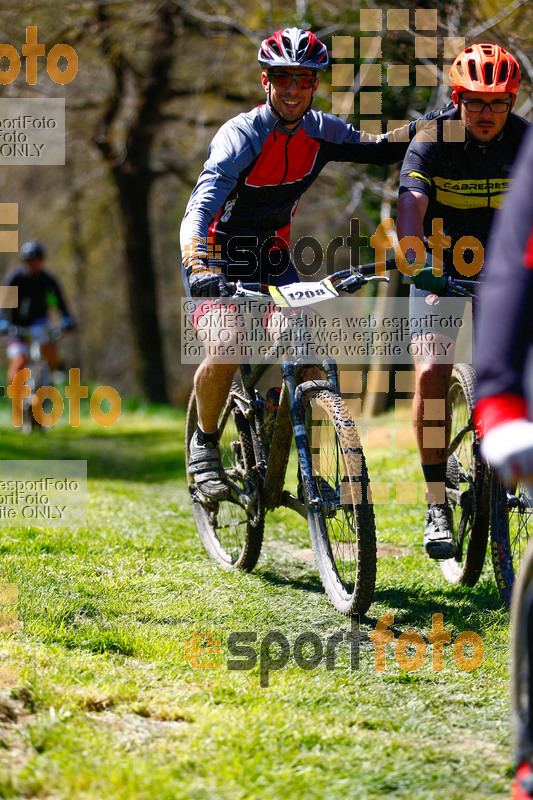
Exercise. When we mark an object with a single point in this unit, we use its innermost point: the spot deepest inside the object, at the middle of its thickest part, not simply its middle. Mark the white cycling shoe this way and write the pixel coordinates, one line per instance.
(438, 535)
(206, 466)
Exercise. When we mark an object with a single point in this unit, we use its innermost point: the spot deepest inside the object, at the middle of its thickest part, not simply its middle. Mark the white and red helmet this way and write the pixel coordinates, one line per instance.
(293, 47)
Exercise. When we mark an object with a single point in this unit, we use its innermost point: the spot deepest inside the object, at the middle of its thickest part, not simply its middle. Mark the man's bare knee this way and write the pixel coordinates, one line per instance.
(15, 365)
(222, 333)
(276, 325)
(216, 374)
(432, 380)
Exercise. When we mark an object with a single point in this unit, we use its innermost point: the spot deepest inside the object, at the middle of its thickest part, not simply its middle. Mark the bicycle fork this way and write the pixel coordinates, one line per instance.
(297, 414)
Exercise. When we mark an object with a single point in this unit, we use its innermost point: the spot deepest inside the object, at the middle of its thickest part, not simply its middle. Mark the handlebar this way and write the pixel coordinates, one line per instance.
(461, 288)
(349, 280)
(370, 269)
(352, 279)
(454, 286)
(54, 332)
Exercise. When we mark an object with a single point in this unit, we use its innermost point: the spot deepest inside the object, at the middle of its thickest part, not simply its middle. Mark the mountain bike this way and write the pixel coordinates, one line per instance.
(480, 502)
(334, 493)
(35, 336)
(467, 476)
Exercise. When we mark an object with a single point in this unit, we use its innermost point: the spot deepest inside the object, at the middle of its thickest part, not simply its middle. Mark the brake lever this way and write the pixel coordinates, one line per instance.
(240, 291)
(377, 278)
(353, 281)
(360, 280)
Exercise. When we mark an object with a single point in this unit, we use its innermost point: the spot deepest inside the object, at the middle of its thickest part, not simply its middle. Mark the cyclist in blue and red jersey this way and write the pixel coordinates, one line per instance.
(454, 182)
(237, 222)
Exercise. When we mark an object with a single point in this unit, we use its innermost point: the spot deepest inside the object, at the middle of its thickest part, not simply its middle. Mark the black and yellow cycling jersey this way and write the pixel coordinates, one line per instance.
(465, 183)
(37, 292)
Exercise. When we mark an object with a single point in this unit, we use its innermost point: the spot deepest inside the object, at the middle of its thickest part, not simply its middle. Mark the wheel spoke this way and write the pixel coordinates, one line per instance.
(511, 528)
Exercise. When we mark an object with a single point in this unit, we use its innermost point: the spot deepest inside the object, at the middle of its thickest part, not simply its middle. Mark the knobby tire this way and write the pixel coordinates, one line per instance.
(228, 533)
(467, 484)
(343, 537)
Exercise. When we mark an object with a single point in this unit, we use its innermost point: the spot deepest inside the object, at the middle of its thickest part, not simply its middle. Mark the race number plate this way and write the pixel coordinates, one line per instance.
(297, 295)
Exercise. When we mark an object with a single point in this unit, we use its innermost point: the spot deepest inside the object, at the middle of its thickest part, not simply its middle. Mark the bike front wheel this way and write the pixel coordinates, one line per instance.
(343, 531)
(231, 534)
(467, 485)
(511, 526)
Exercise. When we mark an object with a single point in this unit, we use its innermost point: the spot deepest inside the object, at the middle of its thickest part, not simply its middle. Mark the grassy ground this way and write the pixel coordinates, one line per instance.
(97, 699)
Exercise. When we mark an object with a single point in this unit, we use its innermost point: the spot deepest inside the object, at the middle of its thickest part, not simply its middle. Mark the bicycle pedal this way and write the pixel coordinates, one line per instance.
(209, 503)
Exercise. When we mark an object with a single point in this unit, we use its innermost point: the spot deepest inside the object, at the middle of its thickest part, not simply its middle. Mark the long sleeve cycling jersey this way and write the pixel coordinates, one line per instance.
(254, 176)
(504, 332)
(464, 182)
(37, 292)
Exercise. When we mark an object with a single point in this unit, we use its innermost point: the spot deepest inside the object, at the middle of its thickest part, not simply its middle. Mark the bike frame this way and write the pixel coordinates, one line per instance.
(272, 462)
(37, 365)
(289, 421)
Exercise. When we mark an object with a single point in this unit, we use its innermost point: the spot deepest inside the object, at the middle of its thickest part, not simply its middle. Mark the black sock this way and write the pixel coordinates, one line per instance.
(435, 473)
(205, 438)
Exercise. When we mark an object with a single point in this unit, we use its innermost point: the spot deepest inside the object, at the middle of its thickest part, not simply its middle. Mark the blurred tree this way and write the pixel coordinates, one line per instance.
(128, 159)
(129, 123)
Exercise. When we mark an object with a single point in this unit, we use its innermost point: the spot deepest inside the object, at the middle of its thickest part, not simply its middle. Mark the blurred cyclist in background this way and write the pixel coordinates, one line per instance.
(38, 292)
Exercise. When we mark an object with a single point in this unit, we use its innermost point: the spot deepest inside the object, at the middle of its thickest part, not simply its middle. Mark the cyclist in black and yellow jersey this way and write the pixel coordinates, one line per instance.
(452, 180)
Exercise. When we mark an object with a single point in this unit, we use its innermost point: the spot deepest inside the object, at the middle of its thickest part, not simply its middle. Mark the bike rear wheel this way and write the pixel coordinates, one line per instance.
(511, 526)
(230, 534)
(343, 533)
(467, 486)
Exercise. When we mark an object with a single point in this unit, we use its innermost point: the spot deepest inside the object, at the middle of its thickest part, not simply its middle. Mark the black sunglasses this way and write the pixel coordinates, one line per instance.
(478, 106)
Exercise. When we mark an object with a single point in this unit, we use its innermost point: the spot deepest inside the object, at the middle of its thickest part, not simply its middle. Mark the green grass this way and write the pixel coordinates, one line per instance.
(97, 699)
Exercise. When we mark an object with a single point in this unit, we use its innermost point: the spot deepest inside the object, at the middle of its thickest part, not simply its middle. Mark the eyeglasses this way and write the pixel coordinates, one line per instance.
(284, 79)
(478, 106)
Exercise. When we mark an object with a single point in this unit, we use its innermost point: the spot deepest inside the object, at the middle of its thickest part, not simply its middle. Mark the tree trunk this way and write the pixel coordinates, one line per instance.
(134, 190)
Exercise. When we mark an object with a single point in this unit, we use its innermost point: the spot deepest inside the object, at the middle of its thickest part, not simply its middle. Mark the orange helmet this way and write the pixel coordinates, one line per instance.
(485, 68)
